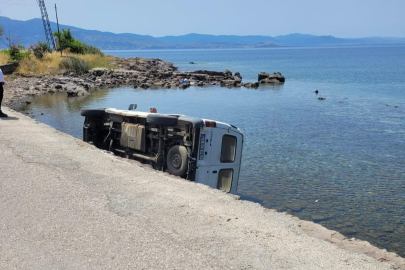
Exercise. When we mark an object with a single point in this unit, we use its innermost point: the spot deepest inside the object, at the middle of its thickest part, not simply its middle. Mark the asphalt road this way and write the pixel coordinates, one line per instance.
(67, 205)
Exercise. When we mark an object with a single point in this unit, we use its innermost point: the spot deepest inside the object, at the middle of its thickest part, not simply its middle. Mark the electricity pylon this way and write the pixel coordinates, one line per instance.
(47, 25)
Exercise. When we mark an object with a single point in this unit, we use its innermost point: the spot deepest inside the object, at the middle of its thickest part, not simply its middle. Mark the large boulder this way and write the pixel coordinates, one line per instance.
(237, 74)
(227, 73)
(98, 72)
(74, 91)
(274, 78)
(238, 79)
(71, 90)
(144, 85)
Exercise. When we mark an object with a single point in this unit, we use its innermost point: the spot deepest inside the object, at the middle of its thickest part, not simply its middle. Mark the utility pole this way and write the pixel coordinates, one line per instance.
(47, 25)
(57, 22)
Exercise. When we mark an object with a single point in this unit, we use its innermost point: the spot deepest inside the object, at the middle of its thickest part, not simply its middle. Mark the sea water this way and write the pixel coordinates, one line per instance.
(339, 162)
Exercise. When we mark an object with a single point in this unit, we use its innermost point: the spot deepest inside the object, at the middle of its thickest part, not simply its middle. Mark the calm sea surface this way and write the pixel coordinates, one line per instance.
(339, 162)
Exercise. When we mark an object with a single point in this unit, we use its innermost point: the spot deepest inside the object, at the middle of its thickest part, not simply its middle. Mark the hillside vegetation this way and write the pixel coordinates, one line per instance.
(40, 59)
(4, 58)
(53, 63)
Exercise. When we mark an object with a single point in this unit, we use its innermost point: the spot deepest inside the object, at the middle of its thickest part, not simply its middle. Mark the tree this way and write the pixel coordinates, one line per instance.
(67, 41)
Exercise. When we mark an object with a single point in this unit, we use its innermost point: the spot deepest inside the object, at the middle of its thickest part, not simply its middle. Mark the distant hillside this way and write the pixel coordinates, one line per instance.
(31, 31)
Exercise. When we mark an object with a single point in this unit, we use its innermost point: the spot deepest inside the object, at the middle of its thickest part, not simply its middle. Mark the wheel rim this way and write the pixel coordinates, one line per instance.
(176, 161)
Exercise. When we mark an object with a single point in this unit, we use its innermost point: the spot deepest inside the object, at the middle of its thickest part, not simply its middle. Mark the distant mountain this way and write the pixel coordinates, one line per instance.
(32, 31)
(317, 41)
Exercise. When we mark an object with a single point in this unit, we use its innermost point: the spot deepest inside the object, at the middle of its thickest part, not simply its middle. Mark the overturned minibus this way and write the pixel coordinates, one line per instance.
(200, 150)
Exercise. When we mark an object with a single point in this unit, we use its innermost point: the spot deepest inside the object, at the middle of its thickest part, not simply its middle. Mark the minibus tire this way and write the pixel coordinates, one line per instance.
(177, 160)
(93, 112)
(159, 119)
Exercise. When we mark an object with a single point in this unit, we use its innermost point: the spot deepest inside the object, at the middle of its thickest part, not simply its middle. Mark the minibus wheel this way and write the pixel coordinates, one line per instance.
(177, 160)
(93, 112)
(159, 119)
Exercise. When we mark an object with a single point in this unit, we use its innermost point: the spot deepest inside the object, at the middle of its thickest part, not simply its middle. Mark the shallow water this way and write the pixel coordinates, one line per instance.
(339, 162)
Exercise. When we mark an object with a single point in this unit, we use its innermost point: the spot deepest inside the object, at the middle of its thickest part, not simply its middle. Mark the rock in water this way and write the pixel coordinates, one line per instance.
(238, 79)
(227, 73)
(72, 90)
(274, 78)
(144, 86)
(251, 85)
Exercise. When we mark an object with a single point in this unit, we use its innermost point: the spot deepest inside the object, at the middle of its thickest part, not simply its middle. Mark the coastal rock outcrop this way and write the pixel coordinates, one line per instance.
(274, 78)
(134, 72)
(143, 64)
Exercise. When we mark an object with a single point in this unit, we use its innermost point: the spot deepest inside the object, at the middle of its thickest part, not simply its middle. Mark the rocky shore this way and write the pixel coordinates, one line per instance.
(134, 72)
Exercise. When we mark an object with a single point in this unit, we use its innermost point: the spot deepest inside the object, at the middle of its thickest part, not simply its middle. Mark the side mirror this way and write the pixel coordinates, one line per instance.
(132, 107)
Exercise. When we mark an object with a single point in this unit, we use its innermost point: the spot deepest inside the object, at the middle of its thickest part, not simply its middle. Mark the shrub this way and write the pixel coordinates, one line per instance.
(76, 47)
(76, 65)
(16, 52)
(40, 49)
(92, 50)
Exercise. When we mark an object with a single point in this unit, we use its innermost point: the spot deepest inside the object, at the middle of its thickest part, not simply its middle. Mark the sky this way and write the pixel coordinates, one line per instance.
(343, 18)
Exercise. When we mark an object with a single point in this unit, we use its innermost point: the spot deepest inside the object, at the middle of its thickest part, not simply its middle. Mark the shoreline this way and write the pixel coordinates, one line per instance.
(136, 72)
(255, 237)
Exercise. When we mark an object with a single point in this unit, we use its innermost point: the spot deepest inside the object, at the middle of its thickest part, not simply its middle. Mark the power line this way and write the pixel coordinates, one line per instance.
(78, 24)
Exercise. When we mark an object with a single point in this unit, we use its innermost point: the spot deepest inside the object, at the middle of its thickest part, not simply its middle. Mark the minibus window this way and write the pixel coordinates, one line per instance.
(228, 149)
(225, 180)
